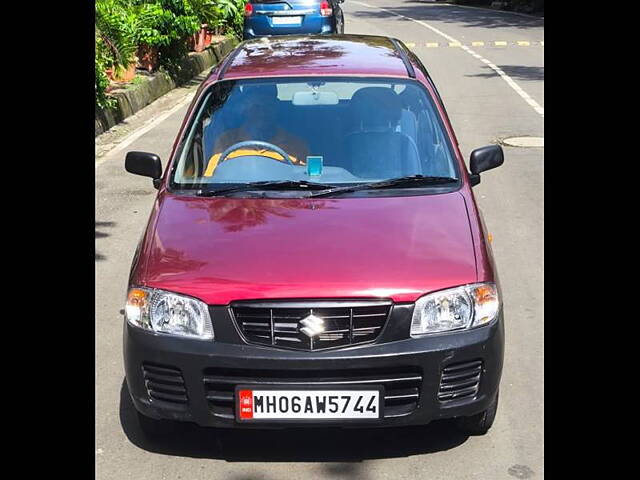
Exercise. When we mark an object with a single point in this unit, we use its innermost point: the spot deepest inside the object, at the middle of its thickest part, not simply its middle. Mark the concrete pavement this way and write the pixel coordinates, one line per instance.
(483, 108)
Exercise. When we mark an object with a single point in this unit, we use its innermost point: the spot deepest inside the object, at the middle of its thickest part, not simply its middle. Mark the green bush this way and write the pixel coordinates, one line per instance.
(123, 25)
(166, 24)
(115, 26)
(230, 16)
(115, 43)
(161, 22)
(206, 11)
(102, 82)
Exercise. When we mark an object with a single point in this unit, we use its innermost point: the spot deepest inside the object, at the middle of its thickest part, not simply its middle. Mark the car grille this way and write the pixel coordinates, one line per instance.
(282, 325)
(401, 385)
(164, 383)
(460, 380)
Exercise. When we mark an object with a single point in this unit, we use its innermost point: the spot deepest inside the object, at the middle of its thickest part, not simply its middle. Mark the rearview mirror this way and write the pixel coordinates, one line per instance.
(306, 99)
(145, 164)
(484, 158)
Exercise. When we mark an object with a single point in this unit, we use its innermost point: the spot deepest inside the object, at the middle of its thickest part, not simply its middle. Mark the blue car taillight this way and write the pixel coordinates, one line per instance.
(325, 9)
(248, 10)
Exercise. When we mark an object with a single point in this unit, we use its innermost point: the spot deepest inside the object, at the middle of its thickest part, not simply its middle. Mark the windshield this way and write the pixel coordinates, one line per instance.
(334, 132)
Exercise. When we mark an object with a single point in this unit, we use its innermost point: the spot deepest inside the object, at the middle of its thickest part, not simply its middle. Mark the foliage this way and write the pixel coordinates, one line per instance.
(230, 15)
(162, 22)
(115, 45)
(102, 82)
(115, 33)
(206, 11)
(123, 25)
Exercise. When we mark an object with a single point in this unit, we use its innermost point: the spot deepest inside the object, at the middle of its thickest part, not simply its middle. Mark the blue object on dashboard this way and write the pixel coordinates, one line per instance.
(314, 165)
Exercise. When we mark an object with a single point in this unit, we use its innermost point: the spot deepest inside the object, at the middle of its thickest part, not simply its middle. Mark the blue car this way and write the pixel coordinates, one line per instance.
(279, 17)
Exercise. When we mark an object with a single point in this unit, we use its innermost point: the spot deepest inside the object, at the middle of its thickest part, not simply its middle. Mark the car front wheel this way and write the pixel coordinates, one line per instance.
(480, 423)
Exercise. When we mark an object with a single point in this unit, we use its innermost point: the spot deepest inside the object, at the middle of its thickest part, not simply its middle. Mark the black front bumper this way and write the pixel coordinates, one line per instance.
(209, 371)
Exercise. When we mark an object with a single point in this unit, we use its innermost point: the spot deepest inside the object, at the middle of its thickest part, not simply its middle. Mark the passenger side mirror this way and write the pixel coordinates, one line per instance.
(484, 158)
(145, 164)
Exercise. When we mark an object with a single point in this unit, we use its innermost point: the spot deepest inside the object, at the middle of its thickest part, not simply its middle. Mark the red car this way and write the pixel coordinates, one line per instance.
(315, 255)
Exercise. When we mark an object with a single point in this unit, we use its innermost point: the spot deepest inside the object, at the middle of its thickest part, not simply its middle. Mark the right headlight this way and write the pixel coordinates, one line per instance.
(455, 309)
(167, 312)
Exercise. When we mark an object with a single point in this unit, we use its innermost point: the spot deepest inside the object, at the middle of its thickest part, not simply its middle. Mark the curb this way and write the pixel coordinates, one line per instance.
(139, 96)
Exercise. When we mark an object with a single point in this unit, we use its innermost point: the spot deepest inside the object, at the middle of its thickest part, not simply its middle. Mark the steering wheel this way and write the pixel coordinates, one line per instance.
(255, 143)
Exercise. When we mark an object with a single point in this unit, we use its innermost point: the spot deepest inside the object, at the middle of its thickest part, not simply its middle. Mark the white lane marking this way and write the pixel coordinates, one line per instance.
(141, 131)
(525, 96)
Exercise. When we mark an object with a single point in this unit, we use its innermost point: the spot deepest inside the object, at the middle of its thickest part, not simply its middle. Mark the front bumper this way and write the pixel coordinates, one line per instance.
(202, 366)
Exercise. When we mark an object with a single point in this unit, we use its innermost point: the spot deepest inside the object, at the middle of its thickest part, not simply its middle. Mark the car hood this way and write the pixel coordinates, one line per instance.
(224, 249)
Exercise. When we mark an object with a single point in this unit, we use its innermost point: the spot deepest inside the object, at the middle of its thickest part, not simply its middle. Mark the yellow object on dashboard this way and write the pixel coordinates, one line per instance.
(242, 152)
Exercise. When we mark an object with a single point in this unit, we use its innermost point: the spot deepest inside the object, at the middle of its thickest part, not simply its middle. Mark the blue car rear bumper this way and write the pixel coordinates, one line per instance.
(262, 25)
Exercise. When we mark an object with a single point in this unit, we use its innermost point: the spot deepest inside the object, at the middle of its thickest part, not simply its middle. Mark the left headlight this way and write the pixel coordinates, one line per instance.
(455, 309)
(166, 312)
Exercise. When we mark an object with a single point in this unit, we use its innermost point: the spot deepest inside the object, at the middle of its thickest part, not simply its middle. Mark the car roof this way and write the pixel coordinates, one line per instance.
(327, 55)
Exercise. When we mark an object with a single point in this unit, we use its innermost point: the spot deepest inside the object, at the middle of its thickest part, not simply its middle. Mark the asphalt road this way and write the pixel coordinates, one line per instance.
(485, 104)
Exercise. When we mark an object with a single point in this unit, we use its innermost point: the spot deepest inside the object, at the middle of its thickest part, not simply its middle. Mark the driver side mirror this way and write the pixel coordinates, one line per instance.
(145, 164)
(484, 158)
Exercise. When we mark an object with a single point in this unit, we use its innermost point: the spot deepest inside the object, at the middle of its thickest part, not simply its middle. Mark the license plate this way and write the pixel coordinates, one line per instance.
(286, 20)
(300, 405)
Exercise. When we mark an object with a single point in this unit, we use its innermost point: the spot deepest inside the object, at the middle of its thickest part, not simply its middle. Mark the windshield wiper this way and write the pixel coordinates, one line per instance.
(269, 185)
(409, 181)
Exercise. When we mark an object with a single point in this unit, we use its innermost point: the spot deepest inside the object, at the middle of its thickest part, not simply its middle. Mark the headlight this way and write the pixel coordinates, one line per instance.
(455, 309)
(166, 312)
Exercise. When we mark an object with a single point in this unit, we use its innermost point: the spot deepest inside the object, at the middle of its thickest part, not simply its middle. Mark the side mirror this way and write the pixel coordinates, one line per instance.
(484, 158)
(145, 164)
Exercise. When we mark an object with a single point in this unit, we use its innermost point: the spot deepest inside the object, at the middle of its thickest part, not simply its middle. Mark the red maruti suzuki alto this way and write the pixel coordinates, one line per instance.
(315, 255)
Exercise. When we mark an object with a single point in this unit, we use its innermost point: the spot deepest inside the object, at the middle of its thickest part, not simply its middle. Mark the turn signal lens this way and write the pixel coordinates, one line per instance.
(137, 308)
(486, 303)
(248, 10)
(325, 9)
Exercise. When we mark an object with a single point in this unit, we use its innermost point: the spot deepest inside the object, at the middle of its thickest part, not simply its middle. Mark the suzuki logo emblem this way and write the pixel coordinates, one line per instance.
(312, 326)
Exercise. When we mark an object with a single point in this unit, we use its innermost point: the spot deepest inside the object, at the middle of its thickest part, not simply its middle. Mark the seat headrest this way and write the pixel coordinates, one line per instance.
(376, 107)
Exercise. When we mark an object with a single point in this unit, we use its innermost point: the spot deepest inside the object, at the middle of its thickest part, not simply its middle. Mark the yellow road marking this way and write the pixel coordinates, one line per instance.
(542, 44)
(477, 44)
(500, 44)
(410, 44)
(455, 44)
(432, 44)
(524, 44)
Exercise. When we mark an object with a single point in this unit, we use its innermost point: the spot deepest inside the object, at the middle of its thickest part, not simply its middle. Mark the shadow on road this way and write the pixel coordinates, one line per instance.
(464, 17)
(101, 234)
(293, 445)
(517, 72)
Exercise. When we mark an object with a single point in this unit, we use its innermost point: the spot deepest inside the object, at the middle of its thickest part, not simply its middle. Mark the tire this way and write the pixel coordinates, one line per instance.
(480, 423)
(156, 428)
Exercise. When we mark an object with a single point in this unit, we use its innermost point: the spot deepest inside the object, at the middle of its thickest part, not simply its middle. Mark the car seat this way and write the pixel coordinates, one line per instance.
(374, 148)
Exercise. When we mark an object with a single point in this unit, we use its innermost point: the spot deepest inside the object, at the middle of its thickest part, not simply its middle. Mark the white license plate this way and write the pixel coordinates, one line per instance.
(286, 20)
(301, 405)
